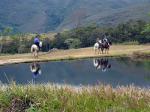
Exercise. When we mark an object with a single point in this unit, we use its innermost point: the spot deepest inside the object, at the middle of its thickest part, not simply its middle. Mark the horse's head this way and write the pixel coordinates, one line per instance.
(110, 43)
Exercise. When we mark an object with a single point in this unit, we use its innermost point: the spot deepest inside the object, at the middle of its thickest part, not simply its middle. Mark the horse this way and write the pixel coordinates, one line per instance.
(35, 69)
(102, 64)
(97, 63)
(102, 46)
(35, 49)
(96, 48)
(105, 46)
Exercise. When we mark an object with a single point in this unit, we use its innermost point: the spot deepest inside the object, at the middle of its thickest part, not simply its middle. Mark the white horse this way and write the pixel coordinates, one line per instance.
(96, 64)
(35, 49)
(96, 48)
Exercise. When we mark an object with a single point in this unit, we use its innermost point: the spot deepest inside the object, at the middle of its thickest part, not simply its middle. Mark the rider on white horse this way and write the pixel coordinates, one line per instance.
(35, 48)
(37, 41)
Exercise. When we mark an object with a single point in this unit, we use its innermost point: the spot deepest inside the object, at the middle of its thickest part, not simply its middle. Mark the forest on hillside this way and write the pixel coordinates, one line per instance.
(134, 32)
(55, 15)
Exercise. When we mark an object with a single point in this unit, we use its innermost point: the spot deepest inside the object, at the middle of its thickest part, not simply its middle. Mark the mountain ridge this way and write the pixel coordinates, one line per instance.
(55, 15)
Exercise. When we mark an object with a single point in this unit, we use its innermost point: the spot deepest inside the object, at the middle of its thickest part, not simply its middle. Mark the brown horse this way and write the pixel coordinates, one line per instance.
(105, 46)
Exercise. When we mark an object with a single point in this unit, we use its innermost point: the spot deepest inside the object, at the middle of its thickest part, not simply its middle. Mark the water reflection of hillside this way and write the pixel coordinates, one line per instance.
(102, 63)
(138, 63)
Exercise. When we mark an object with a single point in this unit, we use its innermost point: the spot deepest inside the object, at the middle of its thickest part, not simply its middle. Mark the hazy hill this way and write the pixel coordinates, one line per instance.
(50, 15)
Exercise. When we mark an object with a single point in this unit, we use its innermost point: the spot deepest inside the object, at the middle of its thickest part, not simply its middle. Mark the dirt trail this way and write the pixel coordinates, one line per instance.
(116, 50)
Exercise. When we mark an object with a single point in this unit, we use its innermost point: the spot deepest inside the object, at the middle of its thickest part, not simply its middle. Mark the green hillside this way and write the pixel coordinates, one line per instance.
(57, 15)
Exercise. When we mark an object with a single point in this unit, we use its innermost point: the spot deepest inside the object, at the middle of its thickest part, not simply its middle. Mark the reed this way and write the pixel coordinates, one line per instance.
(65, 98)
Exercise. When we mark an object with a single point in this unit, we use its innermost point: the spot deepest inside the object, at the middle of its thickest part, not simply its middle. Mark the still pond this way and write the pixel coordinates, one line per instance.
(114, 71)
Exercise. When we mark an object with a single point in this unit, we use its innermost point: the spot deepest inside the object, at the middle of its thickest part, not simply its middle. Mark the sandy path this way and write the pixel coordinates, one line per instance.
(116, 50)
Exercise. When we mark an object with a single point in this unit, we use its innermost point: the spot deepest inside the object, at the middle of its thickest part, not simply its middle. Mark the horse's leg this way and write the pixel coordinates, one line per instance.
(34, 54)
(99, 51)
(95, 51)
(102, 50)
(108, 51)
(37, 54)
(105, 50)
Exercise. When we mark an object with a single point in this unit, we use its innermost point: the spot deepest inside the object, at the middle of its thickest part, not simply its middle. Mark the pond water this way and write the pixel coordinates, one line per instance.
(121, 71)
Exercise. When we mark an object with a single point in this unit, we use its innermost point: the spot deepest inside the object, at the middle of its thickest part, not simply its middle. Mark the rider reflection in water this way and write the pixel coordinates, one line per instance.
(35, 69)
(102, 64)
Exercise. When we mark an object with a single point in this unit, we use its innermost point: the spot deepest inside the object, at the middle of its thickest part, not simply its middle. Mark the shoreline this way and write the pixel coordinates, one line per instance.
(117, 51)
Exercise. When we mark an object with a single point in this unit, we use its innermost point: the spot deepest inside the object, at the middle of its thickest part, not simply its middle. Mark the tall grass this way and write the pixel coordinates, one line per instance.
(52, 98)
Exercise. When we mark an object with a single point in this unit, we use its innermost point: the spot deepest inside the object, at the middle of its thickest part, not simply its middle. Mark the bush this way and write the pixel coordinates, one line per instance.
(73, 43)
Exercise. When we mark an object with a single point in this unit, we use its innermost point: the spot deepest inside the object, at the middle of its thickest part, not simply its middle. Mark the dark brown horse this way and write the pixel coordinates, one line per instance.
(105, 46)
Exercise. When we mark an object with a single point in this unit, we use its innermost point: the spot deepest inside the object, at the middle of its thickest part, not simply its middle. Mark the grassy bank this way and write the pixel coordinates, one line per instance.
(115, 51)
(48, 98)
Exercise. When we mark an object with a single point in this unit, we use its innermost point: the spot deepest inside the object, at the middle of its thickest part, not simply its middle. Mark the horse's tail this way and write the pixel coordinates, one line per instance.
(32, 49)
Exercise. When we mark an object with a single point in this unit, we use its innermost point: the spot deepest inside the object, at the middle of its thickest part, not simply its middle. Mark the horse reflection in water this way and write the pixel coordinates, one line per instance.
(102, 64)
(35, 69)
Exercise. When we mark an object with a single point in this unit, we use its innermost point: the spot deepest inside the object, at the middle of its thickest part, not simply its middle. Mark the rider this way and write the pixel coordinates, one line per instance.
(105, 39)
(37, 41)
(99, 40)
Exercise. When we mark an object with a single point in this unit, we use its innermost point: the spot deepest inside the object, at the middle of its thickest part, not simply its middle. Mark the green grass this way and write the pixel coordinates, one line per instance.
(51, 98)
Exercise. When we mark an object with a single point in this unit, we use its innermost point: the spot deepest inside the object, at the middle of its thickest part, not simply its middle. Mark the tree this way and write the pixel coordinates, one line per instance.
(3, 34)
(7, 31)
(73, 43)
(146, 29)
